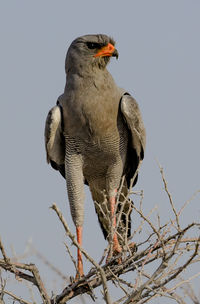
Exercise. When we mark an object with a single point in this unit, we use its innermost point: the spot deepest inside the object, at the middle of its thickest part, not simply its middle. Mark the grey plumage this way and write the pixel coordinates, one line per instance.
(95, 134)
(54, 140)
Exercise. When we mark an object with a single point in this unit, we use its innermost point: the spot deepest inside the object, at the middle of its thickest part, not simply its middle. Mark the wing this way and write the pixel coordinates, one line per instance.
(54, 140)
(133, 119)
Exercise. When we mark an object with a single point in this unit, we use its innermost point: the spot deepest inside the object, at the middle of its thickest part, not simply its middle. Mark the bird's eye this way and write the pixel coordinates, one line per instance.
(92, 45)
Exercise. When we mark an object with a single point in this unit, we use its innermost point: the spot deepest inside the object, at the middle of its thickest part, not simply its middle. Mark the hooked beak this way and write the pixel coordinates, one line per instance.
(115, 54)
(108, 50)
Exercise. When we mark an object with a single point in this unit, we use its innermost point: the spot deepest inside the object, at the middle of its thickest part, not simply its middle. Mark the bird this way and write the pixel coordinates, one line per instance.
(95, 135)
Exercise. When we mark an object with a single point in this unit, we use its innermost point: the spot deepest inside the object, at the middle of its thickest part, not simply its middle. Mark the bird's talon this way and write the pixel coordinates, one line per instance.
(78, 277)
(132, 246)
(109, 256)
(72, 279)
(116, 251)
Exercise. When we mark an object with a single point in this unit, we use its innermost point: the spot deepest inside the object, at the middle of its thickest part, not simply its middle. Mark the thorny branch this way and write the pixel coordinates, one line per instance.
(169, 253)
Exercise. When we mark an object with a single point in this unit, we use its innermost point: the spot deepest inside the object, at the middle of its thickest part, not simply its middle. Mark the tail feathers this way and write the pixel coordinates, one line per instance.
(124, 227)
(105, 232)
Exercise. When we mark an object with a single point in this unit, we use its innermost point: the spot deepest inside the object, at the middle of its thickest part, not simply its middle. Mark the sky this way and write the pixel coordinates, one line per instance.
(159, 46)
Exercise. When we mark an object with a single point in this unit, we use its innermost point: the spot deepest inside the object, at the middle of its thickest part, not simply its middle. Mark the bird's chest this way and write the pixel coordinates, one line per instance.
(100, 116)
(102, 154)
(91, 108)
(98, 156)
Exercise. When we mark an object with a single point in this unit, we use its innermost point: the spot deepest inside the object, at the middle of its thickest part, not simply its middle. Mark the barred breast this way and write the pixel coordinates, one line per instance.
(103, 159)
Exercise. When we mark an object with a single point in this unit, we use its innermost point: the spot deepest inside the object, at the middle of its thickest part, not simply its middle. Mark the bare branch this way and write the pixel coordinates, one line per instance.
(35, 278)
(161, 257)
(16, 298)
(98, 267)
(169, 196)
(6, 259)
(49, 264)
(71, 257)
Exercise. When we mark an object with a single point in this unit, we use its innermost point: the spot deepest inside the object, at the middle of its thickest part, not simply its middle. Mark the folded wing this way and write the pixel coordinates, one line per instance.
(54, 140)
(133, 119)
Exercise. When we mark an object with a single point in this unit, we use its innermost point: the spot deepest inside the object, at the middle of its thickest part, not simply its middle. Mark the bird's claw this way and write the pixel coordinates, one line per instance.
(78, 276)
(132, 246)
(116, 251)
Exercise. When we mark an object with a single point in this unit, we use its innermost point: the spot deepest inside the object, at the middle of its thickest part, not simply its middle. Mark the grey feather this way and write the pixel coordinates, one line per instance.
(133, 118)
(54, 140)
(96, 133)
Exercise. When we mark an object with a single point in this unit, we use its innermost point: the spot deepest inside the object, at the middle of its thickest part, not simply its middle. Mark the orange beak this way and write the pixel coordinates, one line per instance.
(108, 50)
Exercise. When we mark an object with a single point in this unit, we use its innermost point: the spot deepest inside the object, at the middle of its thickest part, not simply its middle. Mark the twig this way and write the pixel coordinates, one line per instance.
(160, 246)
(35, 279)
(104, 255)
(72, 237)
(184, 282)
(6, 259)
(189, 291)
(143, 221)
(169, 196)
(118, 281)
(19, 299)
(49, 264)
(188, 201)
(71, 257)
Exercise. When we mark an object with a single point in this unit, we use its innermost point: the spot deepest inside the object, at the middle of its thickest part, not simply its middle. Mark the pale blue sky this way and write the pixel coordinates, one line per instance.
(159, 48)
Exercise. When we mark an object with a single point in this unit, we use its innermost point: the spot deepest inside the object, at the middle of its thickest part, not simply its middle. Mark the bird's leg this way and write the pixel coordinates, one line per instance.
(75, 188)
(79, 254)
(116, 246)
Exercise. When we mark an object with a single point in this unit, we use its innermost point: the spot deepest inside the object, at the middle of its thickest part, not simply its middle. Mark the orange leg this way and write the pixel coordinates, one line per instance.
(79, 255)
(116, 246)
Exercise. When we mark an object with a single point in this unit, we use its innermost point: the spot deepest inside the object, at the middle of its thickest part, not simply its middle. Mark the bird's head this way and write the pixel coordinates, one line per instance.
(90, 50)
